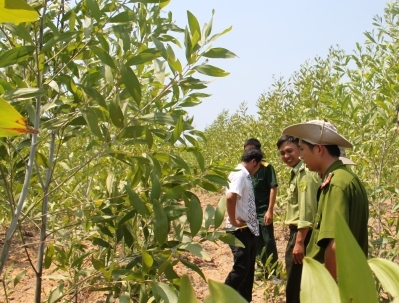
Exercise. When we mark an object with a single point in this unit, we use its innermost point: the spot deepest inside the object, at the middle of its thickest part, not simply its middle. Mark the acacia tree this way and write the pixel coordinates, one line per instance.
(101, 82)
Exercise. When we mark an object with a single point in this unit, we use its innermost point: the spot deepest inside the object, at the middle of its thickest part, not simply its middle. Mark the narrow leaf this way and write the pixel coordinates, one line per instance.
(220, 211)
(16, 55)
(220, 53)
(132, 83)
(195, 215)
(211, 70)
(387, 273)
(222, 293)
(187, 294)
(103, 56)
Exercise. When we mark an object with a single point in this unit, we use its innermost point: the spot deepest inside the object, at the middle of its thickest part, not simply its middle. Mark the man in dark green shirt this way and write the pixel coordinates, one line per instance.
(265, 185)
(300, 213)
(340, 191)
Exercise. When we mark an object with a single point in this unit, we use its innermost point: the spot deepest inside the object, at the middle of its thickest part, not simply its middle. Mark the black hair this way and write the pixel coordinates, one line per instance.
(252, 153)
(254, 142)
(333, 150)
(286, 138)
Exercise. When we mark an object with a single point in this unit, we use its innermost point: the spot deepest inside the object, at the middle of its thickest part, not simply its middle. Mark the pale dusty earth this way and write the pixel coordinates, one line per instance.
(216, 269)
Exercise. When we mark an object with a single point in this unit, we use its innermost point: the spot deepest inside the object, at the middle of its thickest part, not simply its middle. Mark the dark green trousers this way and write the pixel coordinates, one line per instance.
(266, 241)
(294, 271)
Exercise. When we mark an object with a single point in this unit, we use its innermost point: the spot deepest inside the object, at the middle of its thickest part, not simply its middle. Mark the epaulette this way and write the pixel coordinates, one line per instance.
(302, 167)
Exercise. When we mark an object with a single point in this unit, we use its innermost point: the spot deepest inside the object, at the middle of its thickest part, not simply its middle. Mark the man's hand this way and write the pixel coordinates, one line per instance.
(268, 217)
(298, 253)
(238, 223)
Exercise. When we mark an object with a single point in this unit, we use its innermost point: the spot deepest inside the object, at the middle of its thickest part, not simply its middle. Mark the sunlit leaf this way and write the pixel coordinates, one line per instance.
(11, 122)
(210, 70)
(16, 55)
(186, 294)
(314, 273)
(132, 83)
(387, 273)
(17, 11)
(355, 278)
(222, 293)
(220, 211)
(219, 52)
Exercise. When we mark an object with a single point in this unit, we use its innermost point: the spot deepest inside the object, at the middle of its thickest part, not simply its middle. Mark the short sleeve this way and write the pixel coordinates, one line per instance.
(335, 201)
(307, 187)
(236, 183)
(271, 176)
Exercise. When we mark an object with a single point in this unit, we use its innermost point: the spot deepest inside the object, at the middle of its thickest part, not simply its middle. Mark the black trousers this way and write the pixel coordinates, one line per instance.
(241, 276)
(294, 271)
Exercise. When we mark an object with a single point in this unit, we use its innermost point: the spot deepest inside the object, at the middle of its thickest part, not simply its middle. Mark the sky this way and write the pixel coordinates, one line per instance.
(271, 39)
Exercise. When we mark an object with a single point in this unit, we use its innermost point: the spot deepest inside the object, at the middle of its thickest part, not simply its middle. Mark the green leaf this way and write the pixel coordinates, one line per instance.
(17, 11)
(42, 160)
(24, 93)
(230, 240)
(161, 223)
(136, 202)
(219, 52)
(56, 293)
(159, 45)
(193, 266)
(222, 293)
(355, 279)
(132, 83)
(116, 113)
(16, 55)
(48, 255)
(186, 294)
(193, 24)
(220, 211)
(217, 179)
(101, 242)
(315, 273)
(195, 249)
(124, 298)
(61, 37)
(187, 44)
(103, 56)
(198, 156)
(195, 215)
(210, 70)
(147, 260)
(19, 277)
(92, 121)
(166, 292)
(209, 215)
(145, 56)
(177, 131)
(94, 9)
(387, 273)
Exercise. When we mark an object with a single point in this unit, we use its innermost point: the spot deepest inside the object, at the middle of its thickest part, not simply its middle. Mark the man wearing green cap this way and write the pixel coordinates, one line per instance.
(340, 191)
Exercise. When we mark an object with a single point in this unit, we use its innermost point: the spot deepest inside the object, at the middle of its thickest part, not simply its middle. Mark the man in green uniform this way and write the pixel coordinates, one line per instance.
(301, 211)
(340, 191)
(265, 185)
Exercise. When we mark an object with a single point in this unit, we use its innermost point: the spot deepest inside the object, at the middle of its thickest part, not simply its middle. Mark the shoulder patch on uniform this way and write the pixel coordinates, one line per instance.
(302, 185)
(327, 180)
(265, 164)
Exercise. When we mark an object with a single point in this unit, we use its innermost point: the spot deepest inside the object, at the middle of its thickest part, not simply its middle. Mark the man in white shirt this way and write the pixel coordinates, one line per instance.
(242, 222)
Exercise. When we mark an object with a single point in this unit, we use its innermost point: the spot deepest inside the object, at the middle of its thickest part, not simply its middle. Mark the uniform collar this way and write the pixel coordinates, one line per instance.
(333, 167)
(298, 166)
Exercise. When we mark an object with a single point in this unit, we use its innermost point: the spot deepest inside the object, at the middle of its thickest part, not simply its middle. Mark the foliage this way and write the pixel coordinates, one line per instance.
(107, 181)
